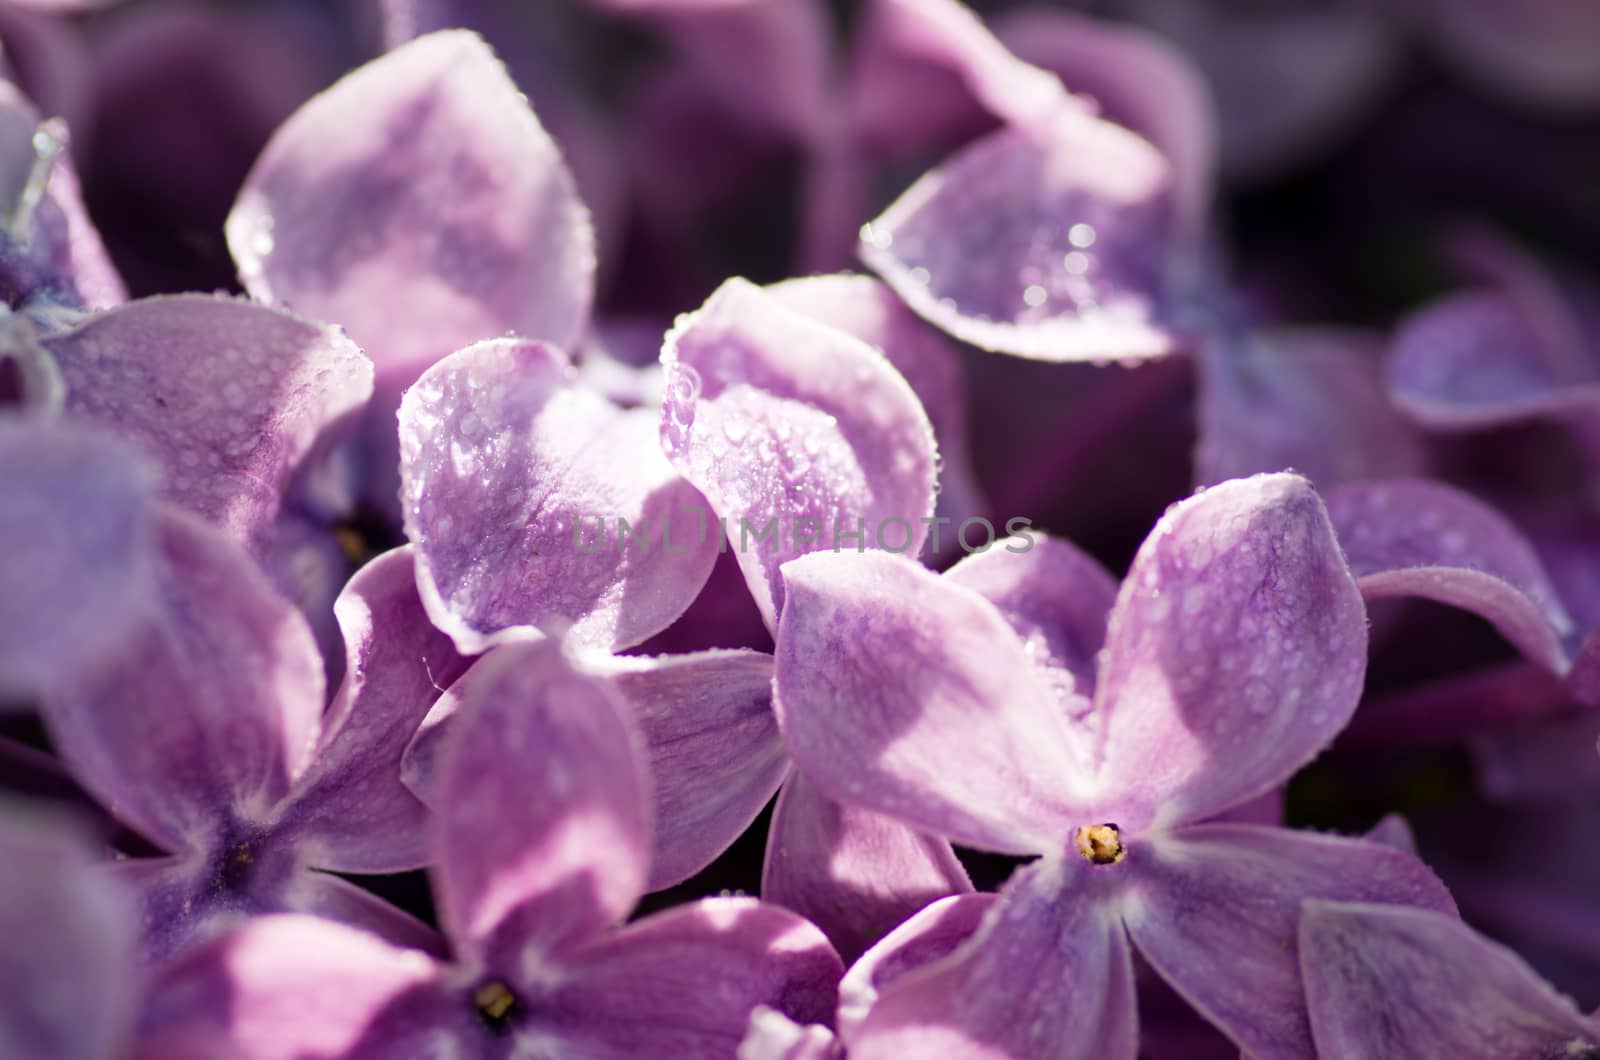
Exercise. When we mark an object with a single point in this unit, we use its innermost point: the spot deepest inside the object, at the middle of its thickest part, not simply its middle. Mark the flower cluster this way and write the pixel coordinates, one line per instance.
(540, 600)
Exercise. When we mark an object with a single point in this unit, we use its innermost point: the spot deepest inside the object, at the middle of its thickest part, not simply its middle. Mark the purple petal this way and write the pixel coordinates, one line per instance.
(901, 692)
(748, 381)
(1050, 243)
(1054, 596)
(514, 479)
(1139, 80)
(685, 983)
(209, 711)
(1485, 703)
(1237, 889)
(929, 936)
(924, 69)
(1047, 975)
(77, 543)
(69, 937)
(1308, 400)
(854, 873)
(1553, 760)
(1422, 538)
(1495, 356)
(713, 748)
(350, 812)
(872, 313)
(542, 828)
(1235, 653)
(419, 203)
(279, 988)
(231, 397)
(1388, 981)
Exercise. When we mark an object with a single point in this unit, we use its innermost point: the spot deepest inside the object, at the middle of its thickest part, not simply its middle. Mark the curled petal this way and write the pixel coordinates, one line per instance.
(774, 1036)
(1382, 980)
(801, 436)
(232, 397)
(713, 746)
(1311, 401)
(77, 550)
(542, 828)
(686, 982)
(419, 203)
(280, 988)
(872, 313)
(1047, 976)
(1496, 356)
(1235, 653)
(854, 873)
(1421, 538)
(924, 70)
(1238, 889)
(930, 935)
(516, 483)
(69, 932)
(1054, 596)
(903, 693)
(208, 712)
(350, 812)
(1051, 243)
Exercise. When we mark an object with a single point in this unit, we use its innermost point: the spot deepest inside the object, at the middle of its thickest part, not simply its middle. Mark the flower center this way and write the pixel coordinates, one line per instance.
(1100, 844)
(495, 1003)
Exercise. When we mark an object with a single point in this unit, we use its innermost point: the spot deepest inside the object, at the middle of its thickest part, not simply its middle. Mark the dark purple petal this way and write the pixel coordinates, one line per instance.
(419, 203)
(797, 429)
(279, 988)
(1236, 890)
(209, 711)
(349, 811)
(901, 692)
(765, 60)
(67, 968)
(1553, 760)
(542, 827)
(1423, 538)
(231, 397)
(77, 549)
(1139, 80)
(1389, 981)
(1235, 653)
(1050, 243)
(1484, 703)
(854, 873)
(1312, 401)
(872, 313)
(685, 983)
(1055, 597)
(713, 748)
(1047, 976)
(514, 479)
(1495, 356)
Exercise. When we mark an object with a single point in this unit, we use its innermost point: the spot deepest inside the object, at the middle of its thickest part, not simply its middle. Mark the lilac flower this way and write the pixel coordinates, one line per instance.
(972, 706)
(206, 733)
(539, 848)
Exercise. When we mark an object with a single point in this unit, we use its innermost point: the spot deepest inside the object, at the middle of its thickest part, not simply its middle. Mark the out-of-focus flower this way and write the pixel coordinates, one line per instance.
(206, 734)
(540, 846)
(980, 706)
